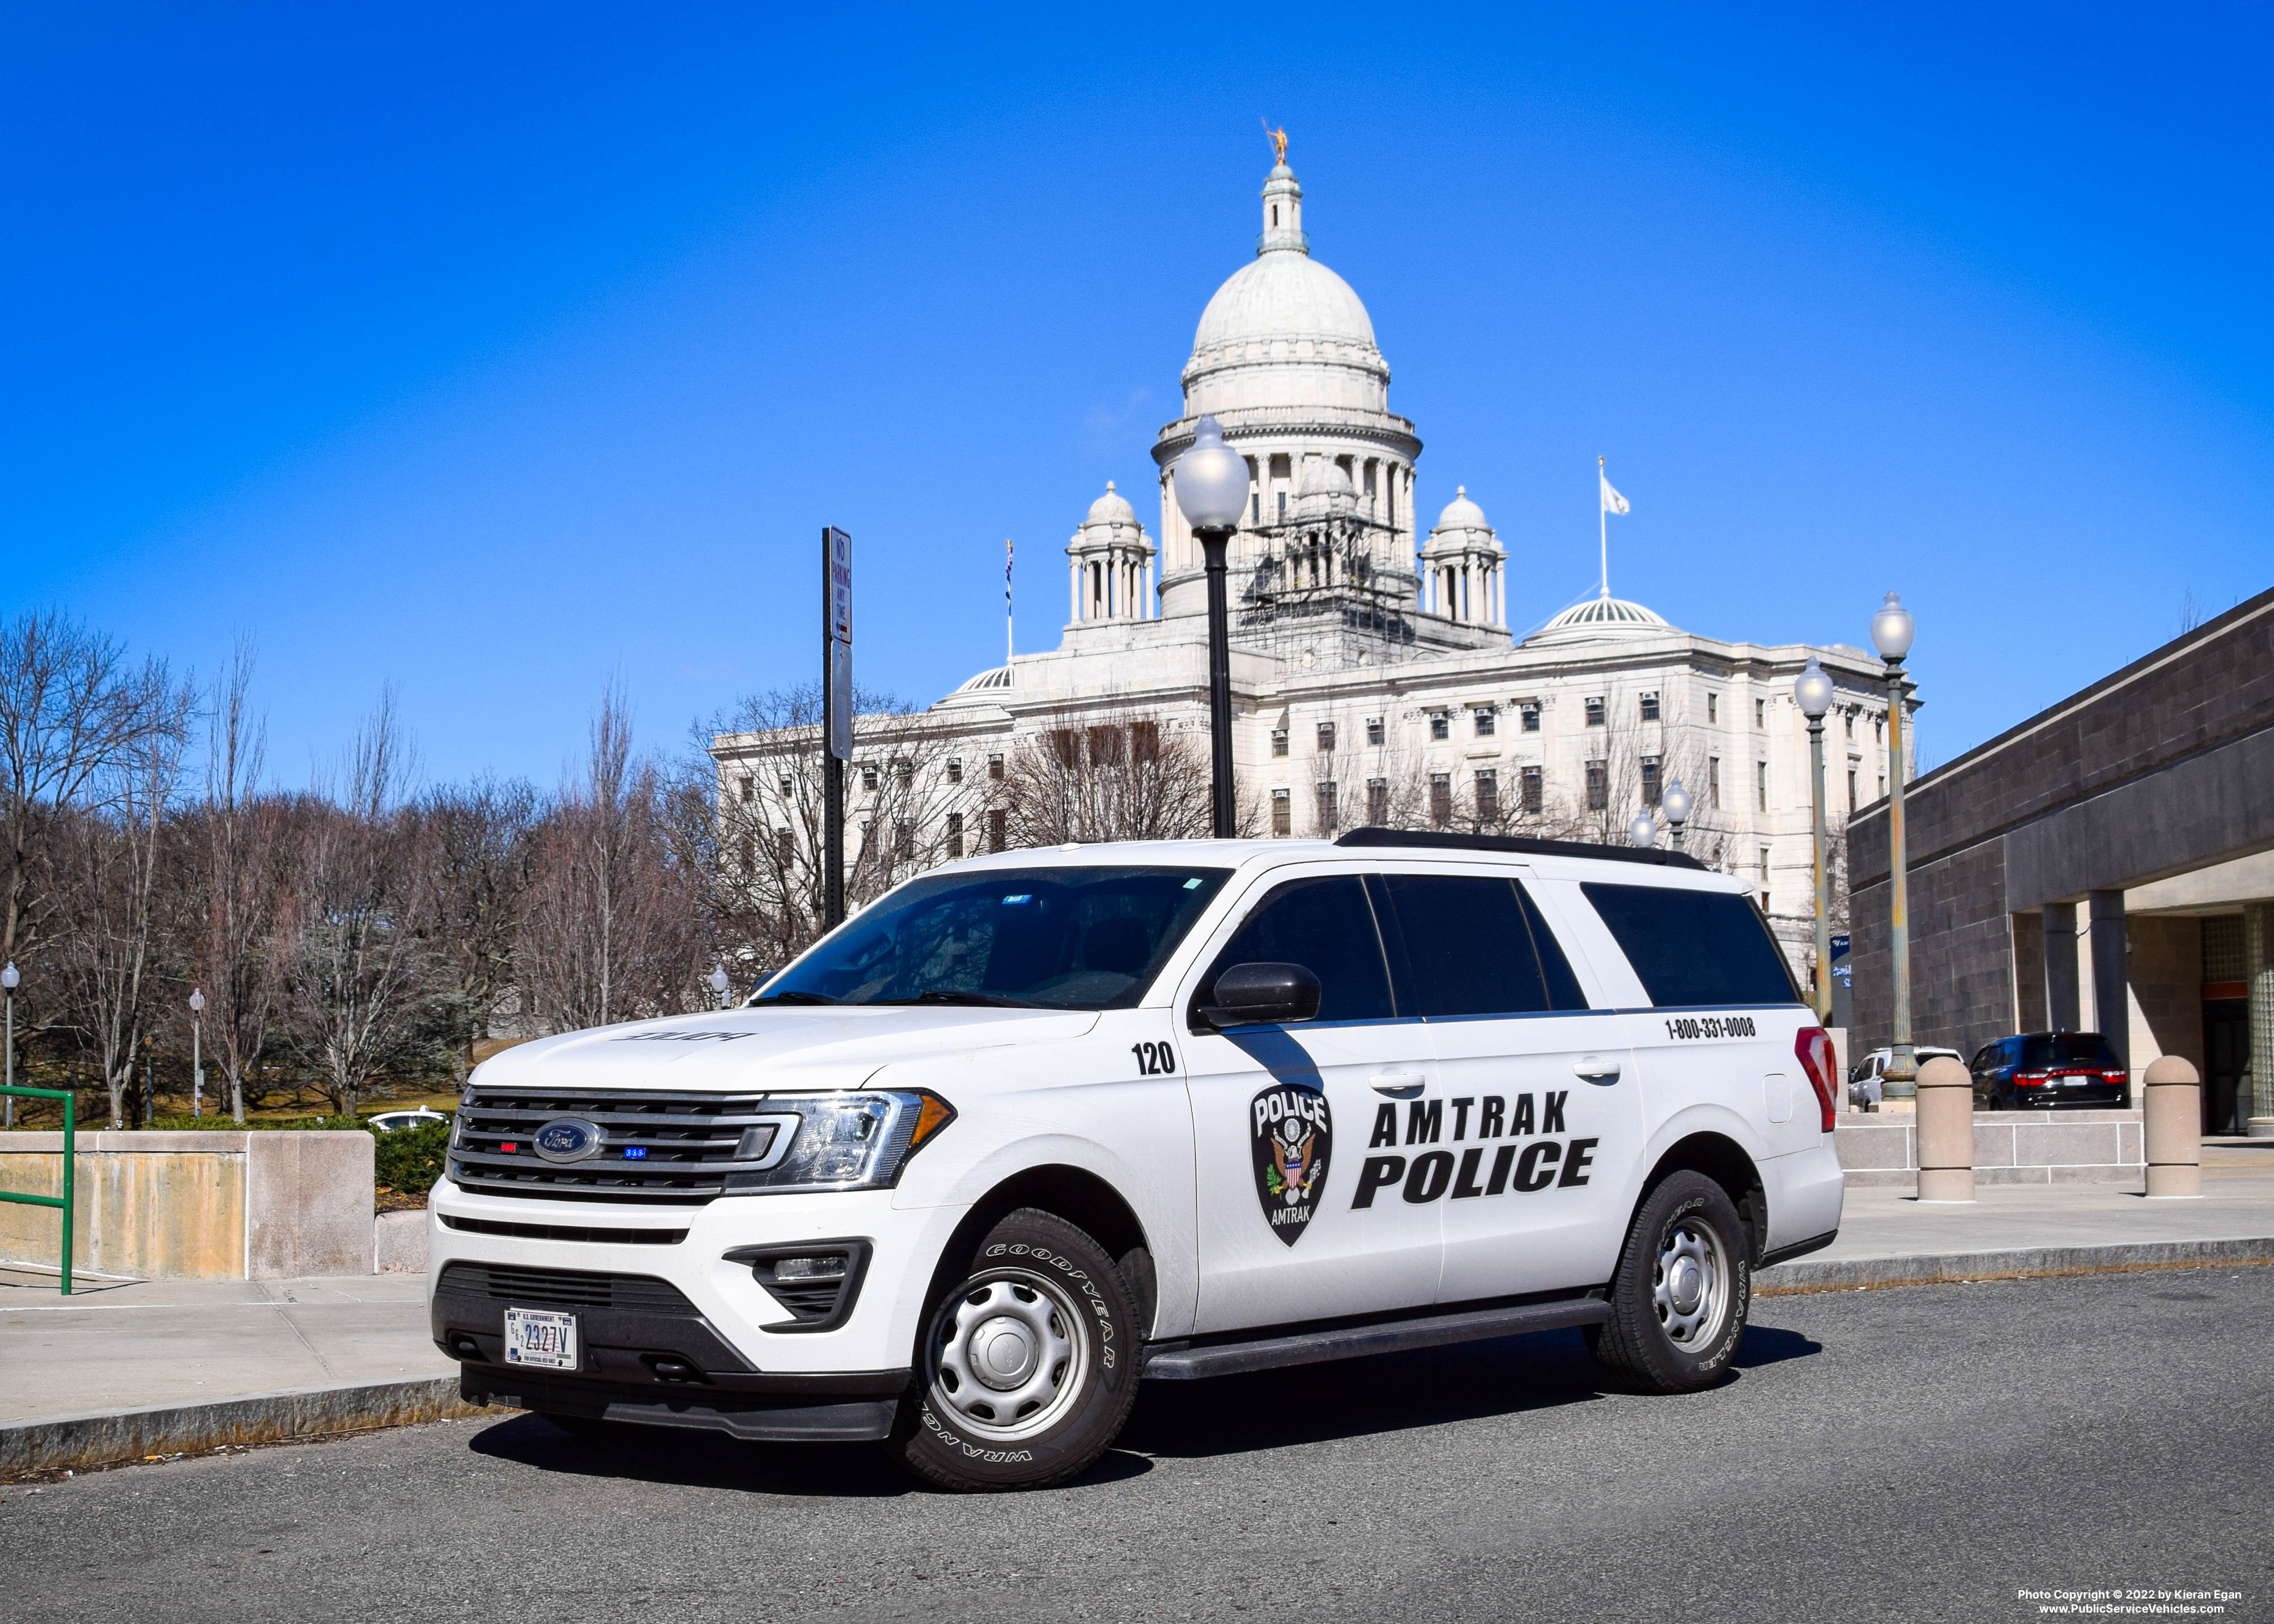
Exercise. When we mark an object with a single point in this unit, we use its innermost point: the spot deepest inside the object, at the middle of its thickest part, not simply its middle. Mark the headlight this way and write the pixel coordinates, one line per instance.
(841, 1141)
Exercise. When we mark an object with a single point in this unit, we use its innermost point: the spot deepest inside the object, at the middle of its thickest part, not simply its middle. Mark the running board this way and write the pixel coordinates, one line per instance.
(1181, 1362)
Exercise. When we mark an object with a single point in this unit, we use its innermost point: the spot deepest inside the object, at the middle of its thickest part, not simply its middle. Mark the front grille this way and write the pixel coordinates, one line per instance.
(691, 1144)
(543, 1288)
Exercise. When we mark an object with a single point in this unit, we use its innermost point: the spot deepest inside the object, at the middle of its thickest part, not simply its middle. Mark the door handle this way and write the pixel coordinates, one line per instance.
(1397, 1085)
(1596, 1069)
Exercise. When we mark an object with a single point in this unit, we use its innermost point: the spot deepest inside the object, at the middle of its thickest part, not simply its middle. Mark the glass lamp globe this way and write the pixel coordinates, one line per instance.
(1211, 481)
(197, 1001)
(1811, 690)
(719, 979)
(1644, 830)
(1675, 804)
(1892, 629)
(11, 976)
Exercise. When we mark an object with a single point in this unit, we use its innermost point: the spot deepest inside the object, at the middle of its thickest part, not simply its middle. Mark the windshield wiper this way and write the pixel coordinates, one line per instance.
(796, 997)
(985, 1000)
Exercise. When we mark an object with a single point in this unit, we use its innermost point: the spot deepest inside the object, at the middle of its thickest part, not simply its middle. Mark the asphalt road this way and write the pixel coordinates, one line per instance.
(1916, 1454)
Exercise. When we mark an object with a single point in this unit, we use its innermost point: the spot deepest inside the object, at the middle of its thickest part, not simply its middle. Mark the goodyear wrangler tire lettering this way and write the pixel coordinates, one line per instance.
(1682, 1291)
(1019, 1379)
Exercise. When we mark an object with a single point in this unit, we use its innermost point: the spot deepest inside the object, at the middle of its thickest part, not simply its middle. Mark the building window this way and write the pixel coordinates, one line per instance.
(1487, 796)
(1440, 797)
(904, 840)
(1650, 780)
(1713, 707)
(869, 775)
(1529, 713)
(995, 773)
(1760, 713)
(1765, 879)
(1599, 787)
(1326, 738)
(748, 849)
(955, 770)
(1377, 801)
(1282, 507)
(785, 848)
(1650, 707)
(1535, 790)
(747, 788)
(784, 784)
(1848, 719)
(955, 834)
(1440, 723)
(1278, 741)
(1328, 805)
(1483, 716)
(996, 832)
(1282, 813)
(1595, 711)
(1851, 789)
(1373, 730)
(1761, 783)
(1714, 782)
(2225, 949)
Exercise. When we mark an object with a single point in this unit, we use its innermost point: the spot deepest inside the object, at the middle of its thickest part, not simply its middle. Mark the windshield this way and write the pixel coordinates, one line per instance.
(1044, 938)
(2067, 1048)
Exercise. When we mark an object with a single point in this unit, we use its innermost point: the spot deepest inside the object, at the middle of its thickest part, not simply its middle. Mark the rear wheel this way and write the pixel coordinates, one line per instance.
(1028, 1365)
(1683, 1289)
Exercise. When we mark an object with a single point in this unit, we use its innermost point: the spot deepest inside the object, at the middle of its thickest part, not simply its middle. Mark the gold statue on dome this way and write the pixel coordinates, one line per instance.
(1278, 139)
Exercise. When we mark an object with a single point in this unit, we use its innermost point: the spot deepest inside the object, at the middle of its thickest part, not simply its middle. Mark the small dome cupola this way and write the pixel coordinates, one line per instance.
(1110, 563)
(1283, 213)
(1464, 573)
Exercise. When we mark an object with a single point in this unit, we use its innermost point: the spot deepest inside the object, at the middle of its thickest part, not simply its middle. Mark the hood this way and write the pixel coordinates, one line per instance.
(777, 1048)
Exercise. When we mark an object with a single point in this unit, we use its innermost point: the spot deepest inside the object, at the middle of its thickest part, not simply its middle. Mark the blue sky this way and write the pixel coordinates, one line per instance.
(493, 351)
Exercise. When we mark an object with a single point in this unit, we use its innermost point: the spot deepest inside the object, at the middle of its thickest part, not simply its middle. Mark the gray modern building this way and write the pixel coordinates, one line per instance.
(2107, 864)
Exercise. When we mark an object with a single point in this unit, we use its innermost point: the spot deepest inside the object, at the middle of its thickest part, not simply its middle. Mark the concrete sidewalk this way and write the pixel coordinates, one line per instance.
(125, 1369)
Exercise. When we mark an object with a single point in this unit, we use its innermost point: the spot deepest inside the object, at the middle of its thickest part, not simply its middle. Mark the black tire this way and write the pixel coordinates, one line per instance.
(1041, 1310)
(1659, 1338)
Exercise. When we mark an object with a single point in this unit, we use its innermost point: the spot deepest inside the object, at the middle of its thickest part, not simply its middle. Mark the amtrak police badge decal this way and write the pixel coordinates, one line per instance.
(1291, 1134)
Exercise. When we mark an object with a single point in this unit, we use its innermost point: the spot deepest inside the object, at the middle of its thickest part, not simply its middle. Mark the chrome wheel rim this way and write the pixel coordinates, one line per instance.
(1689, 1285)
(1009, 1353)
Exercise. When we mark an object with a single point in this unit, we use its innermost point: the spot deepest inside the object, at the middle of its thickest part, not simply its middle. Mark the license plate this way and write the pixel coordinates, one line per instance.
(2077, 1082)
(534, 1336)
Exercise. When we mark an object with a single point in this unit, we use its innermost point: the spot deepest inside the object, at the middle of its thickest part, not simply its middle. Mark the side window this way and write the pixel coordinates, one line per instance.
(1695, 947)
(1327, 926)
(1476, 946)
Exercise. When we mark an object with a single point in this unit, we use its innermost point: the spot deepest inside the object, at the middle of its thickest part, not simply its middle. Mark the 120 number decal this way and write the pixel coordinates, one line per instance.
(1155, 1059)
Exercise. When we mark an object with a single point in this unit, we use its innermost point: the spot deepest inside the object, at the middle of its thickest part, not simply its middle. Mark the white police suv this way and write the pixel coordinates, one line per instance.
(1033, 1126)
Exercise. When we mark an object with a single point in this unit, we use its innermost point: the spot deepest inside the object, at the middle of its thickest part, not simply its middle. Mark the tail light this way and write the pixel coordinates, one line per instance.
(2028, 1080)
(1813, 1049)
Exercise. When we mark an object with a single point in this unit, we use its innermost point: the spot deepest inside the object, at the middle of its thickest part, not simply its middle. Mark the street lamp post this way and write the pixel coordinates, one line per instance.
(1811, 691)
(1892, 630)
(1211, 481)
(197, 1052)
(9, 979)
(718, 983)
(1675, 804)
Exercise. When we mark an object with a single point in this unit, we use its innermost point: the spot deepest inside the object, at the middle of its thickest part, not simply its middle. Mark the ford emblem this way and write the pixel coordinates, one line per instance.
(569, 1139)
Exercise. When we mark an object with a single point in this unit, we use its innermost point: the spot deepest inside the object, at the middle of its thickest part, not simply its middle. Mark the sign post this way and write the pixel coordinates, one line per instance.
(836, 714)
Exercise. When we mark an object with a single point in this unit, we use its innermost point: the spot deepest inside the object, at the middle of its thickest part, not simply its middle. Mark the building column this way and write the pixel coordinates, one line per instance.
(2060, 967)
(2111, 979)
(2255, 1100)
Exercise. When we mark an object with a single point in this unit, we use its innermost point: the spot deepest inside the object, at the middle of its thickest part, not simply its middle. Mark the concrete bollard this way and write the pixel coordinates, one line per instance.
(2172, 1098)
(1945, 1131)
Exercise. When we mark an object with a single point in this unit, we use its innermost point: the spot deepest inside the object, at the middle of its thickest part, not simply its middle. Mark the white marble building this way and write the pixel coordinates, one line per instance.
(1374, 670)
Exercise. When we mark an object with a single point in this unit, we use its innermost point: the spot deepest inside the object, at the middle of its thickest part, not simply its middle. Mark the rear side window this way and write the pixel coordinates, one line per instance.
(1692, 947)
(1327, 926)
(1478, 946)
(2067, 1048)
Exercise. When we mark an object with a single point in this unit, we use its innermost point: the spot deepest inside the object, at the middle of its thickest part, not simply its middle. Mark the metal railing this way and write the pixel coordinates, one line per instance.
(71, 1148)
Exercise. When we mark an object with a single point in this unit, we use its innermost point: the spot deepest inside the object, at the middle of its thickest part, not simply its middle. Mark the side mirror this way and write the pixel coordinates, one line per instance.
(1263, 995)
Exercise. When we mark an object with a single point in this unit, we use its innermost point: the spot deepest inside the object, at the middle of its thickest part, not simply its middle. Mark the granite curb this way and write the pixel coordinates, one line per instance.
(2020, 1263)
(80, 1443)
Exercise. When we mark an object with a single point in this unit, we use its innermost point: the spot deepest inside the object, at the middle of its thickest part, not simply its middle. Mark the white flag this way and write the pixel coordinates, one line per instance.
(1613, 502)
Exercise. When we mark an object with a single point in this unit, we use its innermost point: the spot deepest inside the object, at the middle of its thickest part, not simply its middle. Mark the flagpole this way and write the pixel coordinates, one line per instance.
(1603, 523)
(1007, 645)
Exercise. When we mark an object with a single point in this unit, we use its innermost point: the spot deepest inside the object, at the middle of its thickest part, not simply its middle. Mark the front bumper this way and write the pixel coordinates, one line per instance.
(752, 1417)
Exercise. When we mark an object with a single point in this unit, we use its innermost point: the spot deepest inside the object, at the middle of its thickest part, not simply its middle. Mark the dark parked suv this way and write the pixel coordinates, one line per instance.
(2050, 1070)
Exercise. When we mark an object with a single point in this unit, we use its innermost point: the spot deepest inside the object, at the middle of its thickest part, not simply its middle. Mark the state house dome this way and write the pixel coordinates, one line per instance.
(1600, 618)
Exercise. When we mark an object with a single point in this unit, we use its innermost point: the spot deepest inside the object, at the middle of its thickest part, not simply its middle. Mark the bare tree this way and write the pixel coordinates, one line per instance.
(356, 968)
(1092, 776)
(612, 928)
(480, 844)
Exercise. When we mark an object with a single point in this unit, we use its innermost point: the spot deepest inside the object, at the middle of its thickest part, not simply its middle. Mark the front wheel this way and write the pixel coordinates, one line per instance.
(1029, 1365)
(1683, 1289)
